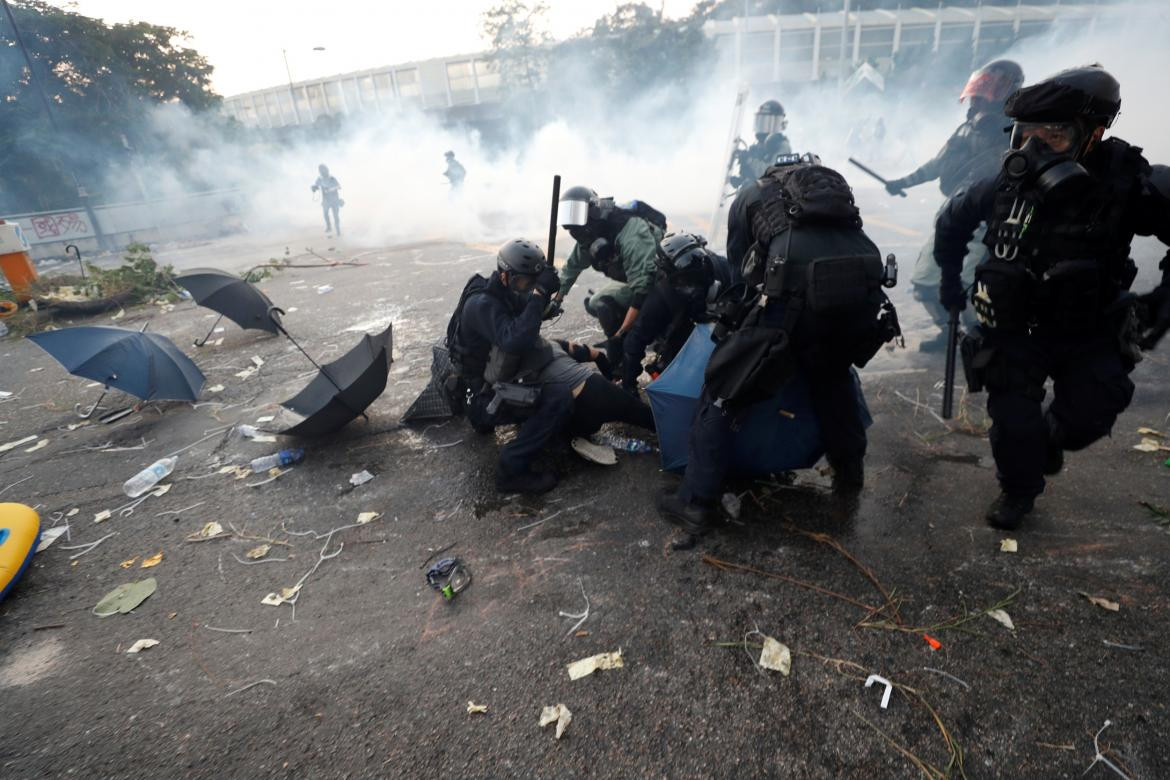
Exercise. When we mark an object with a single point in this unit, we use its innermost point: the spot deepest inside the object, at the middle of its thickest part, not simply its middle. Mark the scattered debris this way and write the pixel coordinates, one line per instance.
(732, 505)
(215, 389)
(1151, 445)
(580, 617)
(1103, 603)
(257, 361)
(325, 288)
(258, 552)
(266, 418)
(947, 675)
(559, 715)
(14, 444)
(367, 517)
(554, 514)
(128, 563)
(38, 446)
(140, 645)
(776, 656)
(476, 709)
(286, 596)
(86, 547)
(152, 561)
(50, 535)
(103, 515)
(1099, 757)
(449, 576)
(1119, 646)
(1002, 617)
(251, 685)
(889, 687)
(594, 453)
(1008, 546)
(212, 530)
(1150, 432)
(125, 597)
(228, 630)
(360, 478)
(587, 666)
(934, 643)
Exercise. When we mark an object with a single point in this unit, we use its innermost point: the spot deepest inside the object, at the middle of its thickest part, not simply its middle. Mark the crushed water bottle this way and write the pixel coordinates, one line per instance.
(149, 477)
(623, 443)
(277, 460)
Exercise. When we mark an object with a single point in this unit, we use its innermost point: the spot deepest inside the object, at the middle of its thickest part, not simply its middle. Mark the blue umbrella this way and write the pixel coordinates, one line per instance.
(778, 434)
(145, 365)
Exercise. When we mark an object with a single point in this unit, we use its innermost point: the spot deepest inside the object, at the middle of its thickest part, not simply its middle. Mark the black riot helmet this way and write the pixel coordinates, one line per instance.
(994, 82)
(770, 118)
(1065, 111)
(577, 205)
(522, 261)
(683, 260)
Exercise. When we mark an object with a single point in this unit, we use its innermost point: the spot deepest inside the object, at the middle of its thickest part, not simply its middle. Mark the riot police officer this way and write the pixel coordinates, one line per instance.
(814, 304)
(972, 153)
(770, 143)
(1052, 298)
(496, 324)
(690, 276)
(620, 242)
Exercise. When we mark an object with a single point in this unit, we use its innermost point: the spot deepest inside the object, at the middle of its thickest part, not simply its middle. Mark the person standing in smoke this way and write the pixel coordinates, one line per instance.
(771, 142)
(620, 242)
(331, 201)
(972, 153)
(1053, 298)
(455, 172)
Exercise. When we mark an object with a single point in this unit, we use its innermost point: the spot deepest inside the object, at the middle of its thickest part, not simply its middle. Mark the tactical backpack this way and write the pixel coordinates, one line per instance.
(811, 258)
(466, 369)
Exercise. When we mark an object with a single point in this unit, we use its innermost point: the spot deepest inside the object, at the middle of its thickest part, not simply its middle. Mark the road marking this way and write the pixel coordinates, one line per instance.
(902, 231)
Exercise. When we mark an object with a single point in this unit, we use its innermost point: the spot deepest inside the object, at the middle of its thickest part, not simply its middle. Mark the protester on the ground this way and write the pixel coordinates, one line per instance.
(331, 201)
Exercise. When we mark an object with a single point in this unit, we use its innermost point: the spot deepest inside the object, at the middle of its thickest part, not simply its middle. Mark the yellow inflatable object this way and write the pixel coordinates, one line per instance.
(20, 533)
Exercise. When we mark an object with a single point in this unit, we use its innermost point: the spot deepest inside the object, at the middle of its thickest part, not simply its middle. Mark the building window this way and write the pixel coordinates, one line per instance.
(407, 83)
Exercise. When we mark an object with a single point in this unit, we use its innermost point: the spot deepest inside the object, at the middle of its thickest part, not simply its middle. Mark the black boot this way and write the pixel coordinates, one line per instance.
(694, 518)
(526, 482)
(848, 475)
(1053, 459)
(1008, 512)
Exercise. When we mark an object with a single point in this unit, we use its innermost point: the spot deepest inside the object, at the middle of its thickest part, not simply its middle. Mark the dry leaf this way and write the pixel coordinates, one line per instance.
(587, 666)
(776, 656)
(474, 709)
(1150, 432)
(368, 517)
(1008, 545)
(1103, 603)
(129, 563)
(1002, 617)
(258, 552)
(208, 531)
(142, 644)
(272, 600)
(152, 561)
(559, 715)
(72, 512)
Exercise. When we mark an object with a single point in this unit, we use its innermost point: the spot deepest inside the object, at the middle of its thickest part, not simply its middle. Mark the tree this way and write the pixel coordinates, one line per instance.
(519, 41)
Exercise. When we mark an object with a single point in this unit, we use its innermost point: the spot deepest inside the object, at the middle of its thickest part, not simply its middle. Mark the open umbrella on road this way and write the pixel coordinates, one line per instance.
(344, 388)
(779, 434)
(232, 297)
(145, 365)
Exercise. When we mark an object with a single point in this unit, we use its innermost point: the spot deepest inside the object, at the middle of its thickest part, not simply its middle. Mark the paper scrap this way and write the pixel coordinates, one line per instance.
(776, 656)
(161, 490)
(1103, 603)
(474, 709)
(50, 535)
(587, 666)
(39, 445)
(266, 418)
(152, 561)
(14, 444)
(76, 425)
(276, 599)
(360, 478)
(247, 372)
(368, 517)
(1002, 617)
(262, 438)
(1151, 445)
(73, 512)
(1008, 545)
(215, 389)
(5, 394)
(208, 531)
(142, 644)
(103, 515)
(559, 715)
(218, 342)
(34, 370)
(1150, 432)
(291, 309)
(258, 552)
(257, 361)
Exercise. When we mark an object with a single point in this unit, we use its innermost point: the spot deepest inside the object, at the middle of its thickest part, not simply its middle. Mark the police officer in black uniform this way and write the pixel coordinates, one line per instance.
(499, 321)
(690, 276)
(797, 213)
(770, 124)
(1052, 298)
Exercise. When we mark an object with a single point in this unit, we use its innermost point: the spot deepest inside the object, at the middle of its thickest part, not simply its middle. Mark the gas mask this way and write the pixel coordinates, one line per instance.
(1035, 164)
(520, 289)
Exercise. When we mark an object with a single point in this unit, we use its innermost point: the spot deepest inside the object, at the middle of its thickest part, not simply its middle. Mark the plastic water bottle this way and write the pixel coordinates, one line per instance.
(623, 444)
(277, 459)
(149, 477)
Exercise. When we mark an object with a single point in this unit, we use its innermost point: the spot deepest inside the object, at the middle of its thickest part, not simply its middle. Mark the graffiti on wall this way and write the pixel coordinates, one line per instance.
(59, 227)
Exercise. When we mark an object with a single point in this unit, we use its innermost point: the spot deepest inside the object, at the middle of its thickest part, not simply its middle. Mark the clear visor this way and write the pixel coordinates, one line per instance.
(521, 283)
(766, 124)
(1060, 137)
(574, 212)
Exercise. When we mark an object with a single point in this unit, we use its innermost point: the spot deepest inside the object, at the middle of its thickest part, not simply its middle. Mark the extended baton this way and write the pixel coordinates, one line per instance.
(875, 174)
(948, 400)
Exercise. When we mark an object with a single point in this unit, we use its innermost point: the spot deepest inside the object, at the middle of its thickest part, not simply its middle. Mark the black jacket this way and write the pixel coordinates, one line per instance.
(973, 152)
(492, 319)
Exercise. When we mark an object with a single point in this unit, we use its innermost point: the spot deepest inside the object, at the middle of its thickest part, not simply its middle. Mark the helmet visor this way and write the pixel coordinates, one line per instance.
(574, 212)
(766, 124)
(1060, 137)
(994, 87)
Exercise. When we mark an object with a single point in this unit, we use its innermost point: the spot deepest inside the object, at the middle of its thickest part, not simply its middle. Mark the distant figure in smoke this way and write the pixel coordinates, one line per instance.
(455, 172)
(771, 121)
(971, 154)
(330, 197)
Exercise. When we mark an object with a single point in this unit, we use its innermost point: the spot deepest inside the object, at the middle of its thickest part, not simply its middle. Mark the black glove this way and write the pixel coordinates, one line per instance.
(951, 294)
(1157, 320)
(547, 282)
(895, 186)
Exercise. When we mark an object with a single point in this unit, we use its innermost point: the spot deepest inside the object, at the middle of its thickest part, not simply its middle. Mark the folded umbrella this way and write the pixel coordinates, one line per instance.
(778, 434)
(233, 298)
(343, 389)
(145, 365)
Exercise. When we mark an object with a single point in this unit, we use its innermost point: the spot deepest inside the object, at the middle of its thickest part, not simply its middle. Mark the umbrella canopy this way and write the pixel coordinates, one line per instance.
(232, 297)
(769, 440)
(432, 403)
(145, 365)
(344, 388)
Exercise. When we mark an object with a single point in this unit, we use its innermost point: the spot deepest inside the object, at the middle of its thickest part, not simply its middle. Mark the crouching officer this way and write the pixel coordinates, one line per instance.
(690, 278)
(620, 242)
(814, 304)
(1052, 299)
(496, 322)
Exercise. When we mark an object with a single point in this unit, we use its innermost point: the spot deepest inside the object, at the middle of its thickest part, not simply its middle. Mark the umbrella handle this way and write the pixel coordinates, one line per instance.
(202, 341)
(89, 412)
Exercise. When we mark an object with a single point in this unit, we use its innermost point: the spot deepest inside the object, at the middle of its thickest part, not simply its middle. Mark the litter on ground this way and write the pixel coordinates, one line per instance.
(587, 666)
(558, 714)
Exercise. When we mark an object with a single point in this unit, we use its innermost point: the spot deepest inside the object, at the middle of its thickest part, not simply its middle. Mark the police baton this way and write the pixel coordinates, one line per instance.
(948, 401)
(875, 174)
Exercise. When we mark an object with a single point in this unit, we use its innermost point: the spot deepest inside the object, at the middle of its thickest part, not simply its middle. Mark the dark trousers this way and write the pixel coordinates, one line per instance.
(1091, 386)
(538, 424)
(600, 402)
(834, 400)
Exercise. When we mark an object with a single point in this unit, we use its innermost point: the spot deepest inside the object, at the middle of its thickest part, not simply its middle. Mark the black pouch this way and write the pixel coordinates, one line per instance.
(838, 284)
(976, 356)
(749, 365)
(1004, 295)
